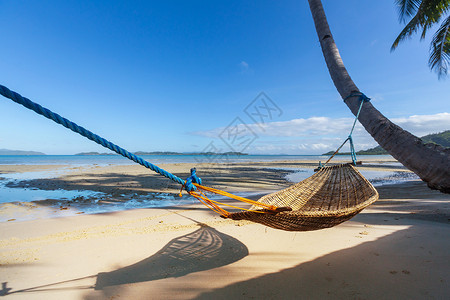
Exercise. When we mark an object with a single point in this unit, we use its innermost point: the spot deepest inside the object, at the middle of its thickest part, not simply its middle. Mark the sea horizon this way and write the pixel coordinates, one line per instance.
(108, 159)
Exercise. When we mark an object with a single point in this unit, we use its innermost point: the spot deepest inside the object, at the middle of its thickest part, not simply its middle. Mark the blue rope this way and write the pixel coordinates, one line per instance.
(88, 134)
(363, 98)
(192, 179)
(352, 150)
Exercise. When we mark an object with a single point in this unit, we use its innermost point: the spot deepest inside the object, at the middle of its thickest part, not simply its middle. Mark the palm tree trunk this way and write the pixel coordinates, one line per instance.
(429, 161)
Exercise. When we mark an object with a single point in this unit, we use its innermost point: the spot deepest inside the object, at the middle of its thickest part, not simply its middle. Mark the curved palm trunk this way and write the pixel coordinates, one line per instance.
(429, 161)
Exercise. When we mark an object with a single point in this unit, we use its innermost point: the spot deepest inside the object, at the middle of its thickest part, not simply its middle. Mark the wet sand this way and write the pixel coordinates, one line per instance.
(395, 249)
(233, 177)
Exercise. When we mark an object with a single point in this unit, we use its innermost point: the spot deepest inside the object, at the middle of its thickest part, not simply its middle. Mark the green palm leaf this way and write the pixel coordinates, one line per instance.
(432, 11)
(427, 13)
(410, 28)
(407, 8)
(440, 49)
(424, 14)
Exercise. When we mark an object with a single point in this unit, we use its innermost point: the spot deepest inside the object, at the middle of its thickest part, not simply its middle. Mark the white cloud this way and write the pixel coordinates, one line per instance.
(417, 124)
(244, 66)
(294, 128)
(421, 125)
(317, 135)
(306, 127)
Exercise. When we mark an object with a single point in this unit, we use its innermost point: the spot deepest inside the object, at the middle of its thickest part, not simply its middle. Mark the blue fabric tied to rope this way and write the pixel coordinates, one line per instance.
(361, 96)
(192, 179)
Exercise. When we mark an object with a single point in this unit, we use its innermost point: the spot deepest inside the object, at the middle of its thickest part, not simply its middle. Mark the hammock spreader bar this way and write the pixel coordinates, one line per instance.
(191, 184)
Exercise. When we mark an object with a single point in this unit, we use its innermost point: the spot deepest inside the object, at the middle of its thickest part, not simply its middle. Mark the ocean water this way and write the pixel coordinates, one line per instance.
(159, 159)
(31, 203)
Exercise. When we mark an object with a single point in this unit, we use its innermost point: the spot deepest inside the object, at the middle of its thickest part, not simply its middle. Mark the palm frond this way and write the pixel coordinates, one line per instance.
(428, 13)
(410, 28)
(440, 50)
(432, 11)
(407, 8)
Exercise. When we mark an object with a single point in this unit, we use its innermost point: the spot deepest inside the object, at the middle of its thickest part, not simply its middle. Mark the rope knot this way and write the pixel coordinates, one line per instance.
(361, 96)
(192, 179)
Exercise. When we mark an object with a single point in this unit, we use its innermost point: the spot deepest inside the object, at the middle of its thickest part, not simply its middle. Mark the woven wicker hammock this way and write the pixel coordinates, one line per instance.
(329, 197)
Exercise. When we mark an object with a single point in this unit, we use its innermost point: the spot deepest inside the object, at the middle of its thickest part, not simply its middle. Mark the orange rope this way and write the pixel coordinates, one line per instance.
(213, 205)
(226, 194)
(209, 203)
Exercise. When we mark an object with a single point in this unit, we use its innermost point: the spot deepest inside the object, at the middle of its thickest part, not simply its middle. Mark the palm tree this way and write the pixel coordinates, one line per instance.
(424, 14)
(430, 162)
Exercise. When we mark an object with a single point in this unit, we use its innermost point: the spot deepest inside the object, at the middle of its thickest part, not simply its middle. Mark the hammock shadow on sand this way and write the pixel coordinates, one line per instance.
(203, 249)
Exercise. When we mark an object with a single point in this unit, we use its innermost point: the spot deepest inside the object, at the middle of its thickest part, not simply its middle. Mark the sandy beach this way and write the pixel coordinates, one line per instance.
(395, 249)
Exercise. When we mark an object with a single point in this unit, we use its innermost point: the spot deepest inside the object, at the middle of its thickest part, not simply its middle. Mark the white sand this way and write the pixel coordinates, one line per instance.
(395, 249)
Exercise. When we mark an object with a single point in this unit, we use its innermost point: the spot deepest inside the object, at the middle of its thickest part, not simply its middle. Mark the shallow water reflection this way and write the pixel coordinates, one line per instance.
(377, 178)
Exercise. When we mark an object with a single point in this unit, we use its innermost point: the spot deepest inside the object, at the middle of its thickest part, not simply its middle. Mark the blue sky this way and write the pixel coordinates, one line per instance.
(174, 75)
